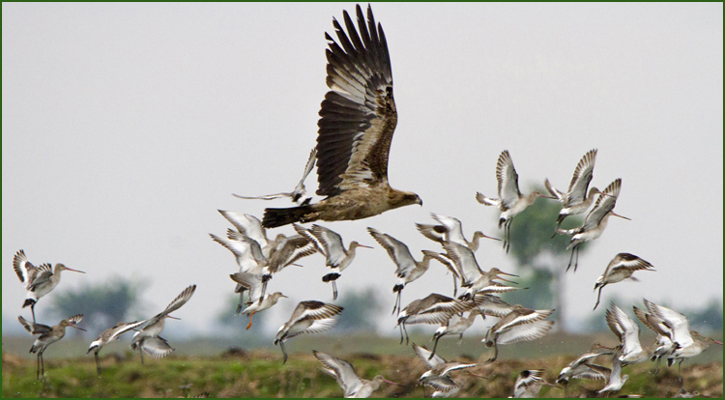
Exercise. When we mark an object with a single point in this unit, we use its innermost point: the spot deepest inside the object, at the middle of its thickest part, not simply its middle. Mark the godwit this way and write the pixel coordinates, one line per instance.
(147, 338)
(309, 317)
(248, 254)
(450, 230)
(250, 226)
(520, 324)
(627, 331)
(575, 200)
(347, 378)
(286, 251)
(663, 345)
(472, 277)
(529, 383)
(253, 282)
(620, 268)
(510, 200)
(48, 336)
(438, 369)
(38, 281)
(595, 222)
(433, 309)
(456, 325)
(358, 117)
(616, 379)
(298, 191)
(330, 244)
(582, 368)
(408, 269)
(109, 335)
(688, 343)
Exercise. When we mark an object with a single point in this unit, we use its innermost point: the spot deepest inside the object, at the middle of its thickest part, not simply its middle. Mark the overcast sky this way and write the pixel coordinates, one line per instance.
(126, 126)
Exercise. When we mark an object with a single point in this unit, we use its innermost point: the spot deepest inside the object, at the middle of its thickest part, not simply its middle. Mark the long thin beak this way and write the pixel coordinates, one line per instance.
(506, 273)
(169, 316)
(367, 247)
(491, 237)
(79, 328)
(506, 280)
(74, 270)
(716, 342)
(621, 216)
(391, 382)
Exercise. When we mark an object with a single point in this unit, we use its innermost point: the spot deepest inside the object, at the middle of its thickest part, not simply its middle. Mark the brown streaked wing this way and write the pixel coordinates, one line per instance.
(358, 115)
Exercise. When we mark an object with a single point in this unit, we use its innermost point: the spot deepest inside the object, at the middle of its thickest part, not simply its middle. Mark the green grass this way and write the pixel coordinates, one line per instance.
(260, 373)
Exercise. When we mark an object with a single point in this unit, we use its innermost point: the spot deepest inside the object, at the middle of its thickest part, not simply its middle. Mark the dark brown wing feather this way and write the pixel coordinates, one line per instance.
(358, 115)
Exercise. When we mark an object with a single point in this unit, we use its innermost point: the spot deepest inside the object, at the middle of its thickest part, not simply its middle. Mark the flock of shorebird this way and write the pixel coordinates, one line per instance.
(358, 117)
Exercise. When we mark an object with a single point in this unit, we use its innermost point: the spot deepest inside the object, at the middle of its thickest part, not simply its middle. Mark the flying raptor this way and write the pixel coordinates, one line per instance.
(357, 121)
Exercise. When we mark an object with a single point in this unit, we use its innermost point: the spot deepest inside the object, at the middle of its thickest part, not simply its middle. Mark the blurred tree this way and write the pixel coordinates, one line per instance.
(541, 259)
(708, 317)
(361, 308)
(102, 305)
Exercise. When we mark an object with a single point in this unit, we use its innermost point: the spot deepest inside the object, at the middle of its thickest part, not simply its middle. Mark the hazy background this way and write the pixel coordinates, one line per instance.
(126, 126)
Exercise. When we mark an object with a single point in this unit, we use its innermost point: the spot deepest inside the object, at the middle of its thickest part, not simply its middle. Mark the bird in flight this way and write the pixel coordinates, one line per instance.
(357, 120)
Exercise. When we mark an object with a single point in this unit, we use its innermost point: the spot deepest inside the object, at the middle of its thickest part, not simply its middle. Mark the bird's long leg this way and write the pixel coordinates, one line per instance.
(284, 352)
(432, 353)
(407, 339)
(495, 352)
(400, 327)
(576, 263)
(455, 286)
(140, 352)
(98, 364)
(240, 306)
(679, 369)
(265, 279)
(32, 310)
(397, 303)
(598, 296)
(566, 389)
(37, 374)
(334, 290)
(250, 319)
(42, 364)
(508, 234)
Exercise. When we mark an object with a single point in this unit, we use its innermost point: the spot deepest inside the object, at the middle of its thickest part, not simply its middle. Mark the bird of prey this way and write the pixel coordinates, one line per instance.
(357, 120)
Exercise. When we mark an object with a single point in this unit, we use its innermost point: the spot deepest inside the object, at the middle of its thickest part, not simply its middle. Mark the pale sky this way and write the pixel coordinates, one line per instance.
(126, 126)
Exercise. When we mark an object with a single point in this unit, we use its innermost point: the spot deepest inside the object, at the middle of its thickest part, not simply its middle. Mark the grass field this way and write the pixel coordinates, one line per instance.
(260, 373)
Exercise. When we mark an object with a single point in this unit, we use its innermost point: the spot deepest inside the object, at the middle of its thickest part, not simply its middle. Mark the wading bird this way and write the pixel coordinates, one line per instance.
(407, 269)
(576, 200)
(298, 191)
(253, 282)
(622, 266)
(358, 117)
(688, 343)
(38, 281)
(583, 368)
(510, 200)
(347, 378)
(529, 383)
(109, 335)
(456, 325)
(147, 339)
(330, 244)
(616, 380)
(595, 222)
(627, 331)
(437, 375)
(433, 309)
(309, 317)
(450, 230)
(47, 336)
(663, 345)
(520, 324)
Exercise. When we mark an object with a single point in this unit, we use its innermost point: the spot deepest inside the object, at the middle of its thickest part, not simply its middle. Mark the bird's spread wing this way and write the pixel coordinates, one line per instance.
(344, 371)
(583, 174)
(604, 204)
(397, 250)
(424, 354)
(156, 346)
(530, 331)
(358, 115)
(508, 181)
(179, 301)
(39, 276)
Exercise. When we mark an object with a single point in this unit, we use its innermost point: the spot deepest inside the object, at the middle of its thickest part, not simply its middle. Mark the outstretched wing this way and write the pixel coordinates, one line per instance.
(583, 174)
(508, 181)
(358, 115)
